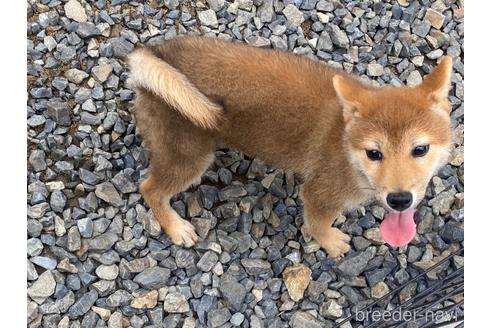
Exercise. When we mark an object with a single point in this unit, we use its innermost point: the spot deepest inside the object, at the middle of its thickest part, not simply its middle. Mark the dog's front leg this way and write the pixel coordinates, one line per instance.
(319, 218)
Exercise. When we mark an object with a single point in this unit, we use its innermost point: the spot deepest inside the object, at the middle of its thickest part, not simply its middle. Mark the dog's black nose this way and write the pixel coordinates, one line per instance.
(399, 201)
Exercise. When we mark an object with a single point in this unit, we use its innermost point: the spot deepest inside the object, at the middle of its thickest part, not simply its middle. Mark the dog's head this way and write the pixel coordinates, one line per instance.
(398, 137)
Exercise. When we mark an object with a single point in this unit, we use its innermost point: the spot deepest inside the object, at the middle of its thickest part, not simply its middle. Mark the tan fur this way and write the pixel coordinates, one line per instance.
(298, 114)
(150, 72)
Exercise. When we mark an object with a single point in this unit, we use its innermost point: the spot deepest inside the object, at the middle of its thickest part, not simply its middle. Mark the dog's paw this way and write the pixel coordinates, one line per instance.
(182, 232)
(335, 242)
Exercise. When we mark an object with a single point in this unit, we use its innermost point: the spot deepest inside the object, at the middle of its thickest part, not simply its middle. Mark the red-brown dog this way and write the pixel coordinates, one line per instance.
(350, 142)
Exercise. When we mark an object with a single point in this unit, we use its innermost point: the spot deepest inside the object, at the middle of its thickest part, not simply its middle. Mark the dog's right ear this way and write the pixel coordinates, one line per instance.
(350, 96)
(436, 85)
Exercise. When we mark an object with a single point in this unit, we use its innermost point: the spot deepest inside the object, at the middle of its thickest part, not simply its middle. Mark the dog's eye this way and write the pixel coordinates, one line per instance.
(420, 151)
(374, 155)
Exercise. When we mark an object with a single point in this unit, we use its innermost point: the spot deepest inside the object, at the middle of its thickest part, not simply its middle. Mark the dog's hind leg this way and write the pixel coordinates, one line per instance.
(165, 180)
(179, 154)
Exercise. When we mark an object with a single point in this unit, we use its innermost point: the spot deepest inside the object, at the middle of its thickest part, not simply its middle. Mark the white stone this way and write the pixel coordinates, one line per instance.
(208, 18)
(293, 15)
(414, 79)
(107, 272)
(43, 288)
(375, 69)
(75, 11)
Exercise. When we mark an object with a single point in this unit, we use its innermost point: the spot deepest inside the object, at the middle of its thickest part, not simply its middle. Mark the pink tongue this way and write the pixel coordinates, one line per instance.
(398, 228)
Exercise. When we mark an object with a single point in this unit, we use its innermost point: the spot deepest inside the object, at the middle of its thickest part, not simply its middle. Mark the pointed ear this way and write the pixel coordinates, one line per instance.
(436, 85)
(349, 94)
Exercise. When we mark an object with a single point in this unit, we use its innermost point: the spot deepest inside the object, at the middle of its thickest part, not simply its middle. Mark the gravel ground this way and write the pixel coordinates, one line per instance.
(95, 255)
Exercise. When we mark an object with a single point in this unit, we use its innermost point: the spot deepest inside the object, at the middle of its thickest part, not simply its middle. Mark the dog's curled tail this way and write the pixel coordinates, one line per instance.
(150, 72)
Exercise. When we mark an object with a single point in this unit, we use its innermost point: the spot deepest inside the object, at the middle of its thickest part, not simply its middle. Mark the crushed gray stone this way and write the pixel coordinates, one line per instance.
(93, 244)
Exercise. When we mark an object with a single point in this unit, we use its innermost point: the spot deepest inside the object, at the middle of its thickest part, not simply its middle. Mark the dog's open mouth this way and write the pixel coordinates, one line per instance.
(398, 228)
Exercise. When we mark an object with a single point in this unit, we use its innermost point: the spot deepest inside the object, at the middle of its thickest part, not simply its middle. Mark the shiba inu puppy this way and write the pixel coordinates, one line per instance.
(349, 141)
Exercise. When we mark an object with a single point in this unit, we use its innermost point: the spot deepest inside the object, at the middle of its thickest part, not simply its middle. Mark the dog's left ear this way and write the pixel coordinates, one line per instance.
(350, 96)
(436, 85)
